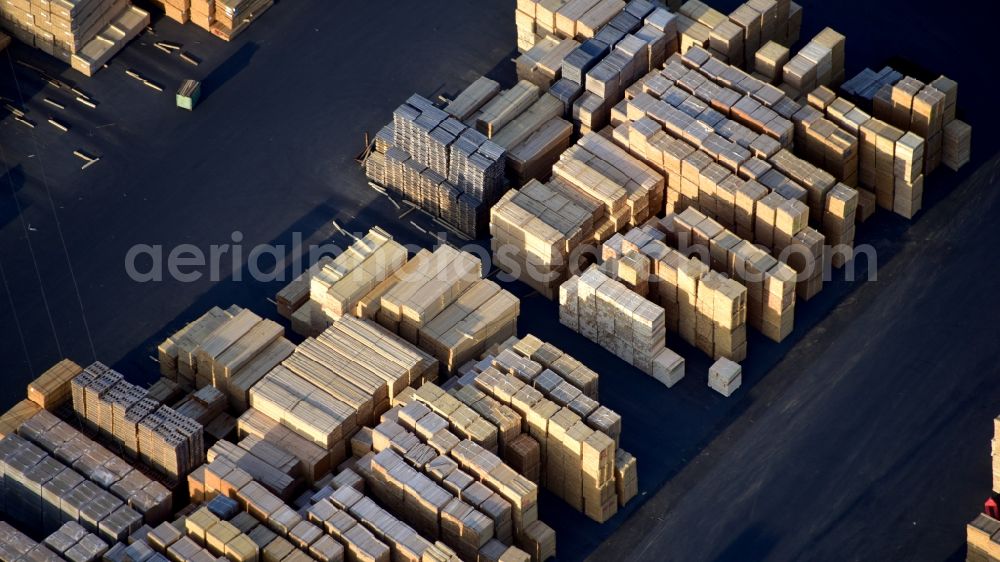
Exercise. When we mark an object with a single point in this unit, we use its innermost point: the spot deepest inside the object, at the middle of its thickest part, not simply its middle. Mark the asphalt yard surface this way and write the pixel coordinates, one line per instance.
(864, 436)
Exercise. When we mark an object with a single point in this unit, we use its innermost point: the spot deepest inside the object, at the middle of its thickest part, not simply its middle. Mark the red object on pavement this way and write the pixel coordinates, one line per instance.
(991, 508)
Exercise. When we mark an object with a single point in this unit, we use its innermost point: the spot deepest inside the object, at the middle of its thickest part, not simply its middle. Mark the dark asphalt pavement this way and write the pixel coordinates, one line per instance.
(865, 436)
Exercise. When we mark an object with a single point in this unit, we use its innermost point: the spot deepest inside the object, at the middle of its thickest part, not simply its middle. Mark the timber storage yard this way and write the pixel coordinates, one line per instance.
(683, 383)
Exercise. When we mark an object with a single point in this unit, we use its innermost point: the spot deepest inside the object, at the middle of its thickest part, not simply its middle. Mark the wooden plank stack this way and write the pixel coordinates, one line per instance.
(85, 34)
(823, 143)
(957, 148)
(52, 388)
(73, 542)
(232, 17)
(819, 63)
(725, 376)
(313, 460)
(769, 61)
(15, 545)
(981, 535)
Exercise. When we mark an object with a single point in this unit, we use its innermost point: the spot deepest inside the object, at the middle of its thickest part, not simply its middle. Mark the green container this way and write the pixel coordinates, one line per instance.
(188, 94)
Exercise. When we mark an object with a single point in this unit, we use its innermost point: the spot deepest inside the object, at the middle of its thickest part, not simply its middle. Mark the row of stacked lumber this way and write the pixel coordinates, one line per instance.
(223, 18)
(541, 231)
(73, 542)
(819, 63)
(341, 379)
(229, 350)
(159, 435)
(570, 438)
(435, 161)
(85, 34)
(41, 492)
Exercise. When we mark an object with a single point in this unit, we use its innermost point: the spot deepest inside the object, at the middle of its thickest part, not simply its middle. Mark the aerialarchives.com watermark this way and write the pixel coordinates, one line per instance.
(265, 263)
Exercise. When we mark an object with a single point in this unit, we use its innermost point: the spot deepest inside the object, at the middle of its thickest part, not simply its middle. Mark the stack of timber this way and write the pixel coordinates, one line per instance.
(293, 296)
(725, 376)
(769, 61)
(339, 285)
(957, 145)
(161, 437)
(232, 17)
(42, 493)
(867, 84)
(228, 350)
(607, 312)
(542, 63)
(314, 461)
(819, 63)
(84, 34)
(448, 169)
(342, 379)
(151, 499)
(823, 142)
(52, 388)
(15, 545)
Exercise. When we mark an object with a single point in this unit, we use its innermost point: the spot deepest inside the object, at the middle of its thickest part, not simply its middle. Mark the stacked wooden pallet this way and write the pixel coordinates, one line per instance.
(957, 149)
(447, 168)
(868, 84)
(981, 535)
(52, 388)
(725, 376)
(176, 353)
(313, 459)
(534, 156)
(109, 41)
(170, 442)
(825, 143)
(61, 440)
(272, 477)
(769, 61)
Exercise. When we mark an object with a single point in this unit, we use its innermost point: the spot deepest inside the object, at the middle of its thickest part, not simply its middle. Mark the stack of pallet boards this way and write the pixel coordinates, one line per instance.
(342, 379)
(534, 138)
(928, 111)
(607, 312)
(892, 161)
(293, 296)
(867, 84)
(85, 34)
(823, 142)
(711, 308)
(17, 415)
(314, 461)
(736, 37)
(52, 388)
(336, 288)
(229, 350)
(448, 169)
(819, 63)
(73, 542)
(769, 60)
(414, 463)
(15, 545)
(581, 19)
(42, 493)
(232, 17)
(151, 499)
(161, 437)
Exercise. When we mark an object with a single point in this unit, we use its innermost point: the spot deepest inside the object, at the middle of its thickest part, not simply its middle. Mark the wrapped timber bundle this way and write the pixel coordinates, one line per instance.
(823, 142)
(979, 539)
(164, 439)
(149, 498)
(819, 63)
(31, 473)
(73, 542)
(448, 169)
(758, 23)
(15, 545)
(84, 34)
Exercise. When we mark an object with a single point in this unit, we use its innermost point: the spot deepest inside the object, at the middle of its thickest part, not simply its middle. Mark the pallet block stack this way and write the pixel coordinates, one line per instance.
(151, 499)
(448, 169)
(725, 377)
(73, 542)
(769, 60)
(15, 545)
(158, 435)
(83, 34)
(823, 142)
